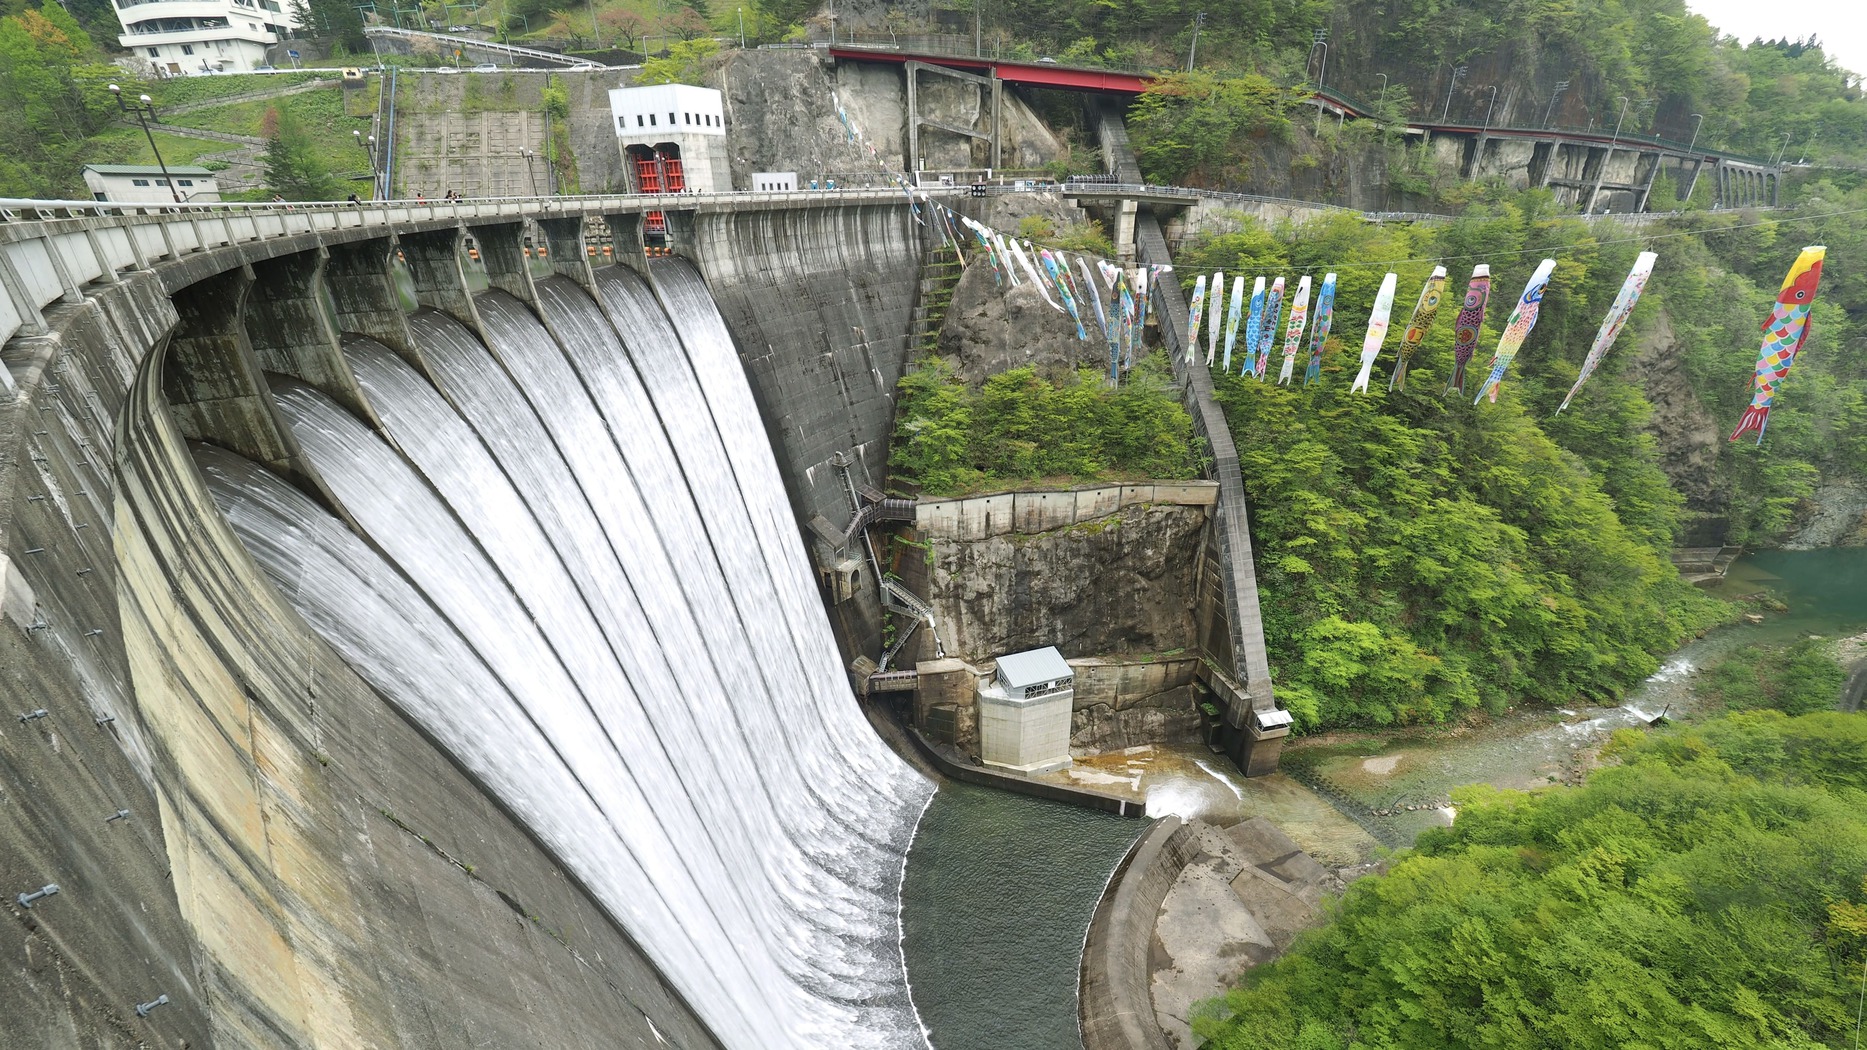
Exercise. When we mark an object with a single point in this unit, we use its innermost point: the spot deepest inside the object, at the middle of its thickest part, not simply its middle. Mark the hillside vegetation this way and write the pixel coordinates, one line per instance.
(1420, 556)
(1707, 892)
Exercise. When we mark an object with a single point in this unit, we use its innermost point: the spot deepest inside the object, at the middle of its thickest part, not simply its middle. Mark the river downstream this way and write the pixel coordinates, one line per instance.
(1397, 784)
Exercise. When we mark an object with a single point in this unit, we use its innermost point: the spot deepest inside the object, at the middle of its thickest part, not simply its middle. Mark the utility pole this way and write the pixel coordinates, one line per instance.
(1458, 73)
(1698, 163)
(1199, 20)
(1602, 173)
(1561, 86)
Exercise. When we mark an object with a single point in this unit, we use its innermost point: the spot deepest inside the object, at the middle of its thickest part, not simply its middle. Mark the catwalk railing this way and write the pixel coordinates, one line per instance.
(51, 250)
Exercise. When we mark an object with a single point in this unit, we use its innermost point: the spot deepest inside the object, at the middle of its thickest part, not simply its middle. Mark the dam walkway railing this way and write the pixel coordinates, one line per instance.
(50, 251)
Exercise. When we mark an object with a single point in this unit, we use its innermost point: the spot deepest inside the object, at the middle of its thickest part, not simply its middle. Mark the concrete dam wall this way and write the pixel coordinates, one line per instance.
(304, 863)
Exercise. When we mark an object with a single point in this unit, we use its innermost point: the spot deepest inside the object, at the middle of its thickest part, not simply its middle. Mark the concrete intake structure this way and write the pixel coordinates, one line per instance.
(322, 868)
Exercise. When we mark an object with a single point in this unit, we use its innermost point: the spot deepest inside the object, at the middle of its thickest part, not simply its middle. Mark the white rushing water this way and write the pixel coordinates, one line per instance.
(589, 590)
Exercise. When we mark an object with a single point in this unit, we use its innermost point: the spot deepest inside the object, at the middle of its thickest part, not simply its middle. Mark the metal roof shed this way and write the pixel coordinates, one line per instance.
(1020, 671)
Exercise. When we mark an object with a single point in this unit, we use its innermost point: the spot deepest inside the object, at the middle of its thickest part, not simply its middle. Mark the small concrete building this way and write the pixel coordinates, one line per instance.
(774, 181)
(673, 138)
(146, 183)
(1024, 712)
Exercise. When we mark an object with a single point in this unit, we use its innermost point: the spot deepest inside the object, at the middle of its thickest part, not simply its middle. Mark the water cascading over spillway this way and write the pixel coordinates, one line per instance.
(578, 575)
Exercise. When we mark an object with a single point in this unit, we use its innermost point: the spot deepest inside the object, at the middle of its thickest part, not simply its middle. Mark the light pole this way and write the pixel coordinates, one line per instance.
(1478, 154)
(1698, 163)
(1601, 174)
(742, 29)
(145, 106)
(1383, 77)
(1773, 163)
(1561, 86)
(369, 151)
(530, 174)
(1319, 38)
(1458, 73)
(1199, 21)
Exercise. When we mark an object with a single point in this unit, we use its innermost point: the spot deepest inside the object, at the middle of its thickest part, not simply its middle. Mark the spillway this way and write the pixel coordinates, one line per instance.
(568, 556)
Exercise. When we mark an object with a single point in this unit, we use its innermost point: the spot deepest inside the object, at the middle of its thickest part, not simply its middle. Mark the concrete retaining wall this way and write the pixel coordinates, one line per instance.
(1113, 992)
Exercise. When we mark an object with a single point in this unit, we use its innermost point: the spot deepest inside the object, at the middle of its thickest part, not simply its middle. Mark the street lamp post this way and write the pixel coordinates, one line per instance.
(1561, 86)
(1199, 22)
(1320, 38)
(742, 29)
(1779, 153)
(368, 145)
(1478, 154)
(1458, 72)
(530, 174)
(1698, 163)
(145, 106)
(1383, 77)
(1601, 174)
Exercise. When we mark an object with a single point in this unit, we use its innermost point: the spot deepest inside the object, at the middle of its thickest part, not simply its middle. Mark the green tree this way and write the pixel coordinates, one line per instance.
(1705, 892)
(293, 169)
(684, 63)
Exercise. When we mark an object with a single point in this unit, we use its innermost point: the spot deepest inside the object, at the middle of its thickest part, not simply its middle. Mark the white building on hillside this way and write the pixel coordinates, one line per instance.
(148, 184)
(180, 37)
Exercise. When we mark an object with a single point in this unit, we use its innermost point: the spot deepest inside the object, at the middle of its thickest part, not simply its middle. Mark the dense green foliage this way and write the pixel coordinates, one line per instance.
(53, 96)
(293, 169)
(1419, 555)
(1021, 427)
(1705, 893)
(1668, 62)
(1795, 679)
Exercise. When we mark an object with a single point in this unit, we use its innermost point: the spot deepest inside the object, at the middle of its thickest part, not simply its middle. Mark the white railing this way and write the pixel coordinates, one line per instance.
(51, 250)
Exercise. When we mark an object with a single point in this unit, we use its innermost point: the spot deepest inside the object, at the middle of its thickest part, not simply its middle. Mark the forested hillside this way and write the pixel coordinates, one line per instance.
(1564, 64)
(1707, 892)
(1420, 556)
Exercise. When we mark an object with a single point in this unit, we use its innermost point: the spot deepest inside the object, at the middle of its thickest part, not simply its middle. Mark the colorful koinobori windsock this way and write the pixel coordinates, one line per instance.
(1377, 331)
(1095, 296)
(1517, 329)
(1231, 322)
(1254, 322)
(1783, 336)
(1011, 264)
(1293, 335)
(1466, 327)
(1052, 268)
(1218, 315)
(1193, 313)
(1425, 312)
(1267, 327)
(1617, 316)
(1319, 329)
(1132, 306)
(1024, 253)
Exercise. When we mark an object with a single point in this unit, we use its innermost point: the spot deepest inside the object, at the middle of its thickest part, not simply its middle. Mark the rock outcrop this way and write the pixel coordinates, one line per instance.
(1125, 583)
(991, 328)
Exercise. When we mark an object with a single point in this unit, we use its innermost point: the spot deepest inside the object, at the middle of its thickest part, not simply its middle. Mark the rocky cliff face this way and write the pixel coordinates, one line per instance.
(780, 117)
(990, 328)
(1124, 583)
(1688, 437)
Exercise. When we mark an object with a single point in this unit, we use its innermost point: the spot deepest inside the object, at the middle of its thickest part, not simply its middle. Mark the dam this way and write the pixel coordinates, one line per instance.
(426, 586)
